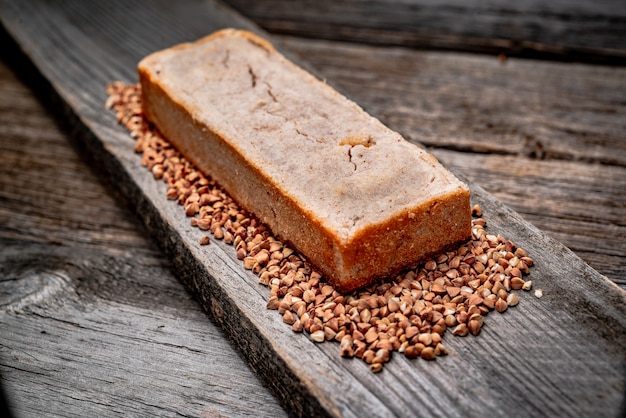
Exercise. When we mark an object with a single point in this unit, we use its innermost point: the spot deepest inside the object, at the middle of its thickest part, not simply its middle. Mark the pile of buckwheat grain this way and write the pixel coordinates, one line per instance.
(409, 314)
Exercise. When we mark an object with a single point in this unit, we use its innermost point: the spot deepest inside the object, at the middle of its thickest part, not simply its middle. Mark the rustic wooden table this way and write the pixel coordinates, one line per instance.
(92, 317)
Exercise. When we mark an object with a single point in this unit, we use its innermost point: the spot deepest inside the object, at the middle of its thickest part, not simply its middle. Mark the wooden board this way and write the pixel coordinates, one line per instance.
(572, 30)
(562, 354)
(92, 319)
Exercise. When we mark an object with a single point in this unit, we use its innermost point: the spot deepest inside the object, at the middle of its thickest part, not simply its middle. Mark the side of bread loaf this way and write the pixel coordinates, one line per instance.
(353, 196)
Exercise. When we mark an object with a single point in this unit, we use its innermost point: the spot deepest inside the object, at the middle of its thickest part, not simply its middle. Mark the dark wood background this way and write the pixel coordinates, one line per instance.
(568, 30)
(93, 318)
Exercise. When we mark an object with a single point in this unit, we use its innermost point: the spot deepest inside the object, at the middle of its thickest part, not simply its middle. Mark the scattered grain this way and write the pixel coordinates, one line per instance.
(501, 305)
(297, 326)
(411, 352)
(409, 314)
(376, 367)
(288, 318)
(460, 330)
(318, 336)
(428, 353)
(474, 327)
(441, 350)
(512, 300)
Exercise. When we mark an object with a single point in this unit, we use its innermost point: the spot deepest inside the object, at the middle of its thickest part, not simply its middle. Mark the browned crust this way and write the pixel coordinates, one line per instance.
(402, 236)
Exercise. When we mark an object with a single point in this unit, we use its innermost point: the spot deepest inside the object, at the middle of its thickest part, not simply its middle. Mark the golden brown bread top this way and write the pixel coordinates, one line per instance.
(341, 165)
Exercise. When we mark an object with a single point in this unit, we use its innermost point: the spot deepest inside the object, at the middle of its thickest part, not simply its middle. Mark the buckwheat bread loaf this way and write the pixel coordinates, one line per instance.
(353, 196)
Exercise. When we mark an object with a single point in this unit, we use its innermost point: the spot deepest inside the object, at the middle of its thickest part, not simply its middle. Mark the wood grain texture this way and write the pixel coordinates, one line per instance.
(546, 138)
(533, 360)
(92, 320)
(578, 30)
(581, 205)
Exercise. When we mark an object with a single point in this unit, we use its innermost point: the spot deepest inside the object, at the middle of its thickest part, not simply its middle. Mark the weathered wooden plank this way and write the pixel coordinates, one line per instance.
(77, 340)
(92, 320)
(580, 30)
(530, 361)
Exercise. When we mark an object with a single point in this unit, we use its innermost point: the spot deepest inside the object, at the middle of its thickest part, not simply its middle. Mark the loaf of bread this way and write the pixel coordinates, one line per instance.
(353, 196)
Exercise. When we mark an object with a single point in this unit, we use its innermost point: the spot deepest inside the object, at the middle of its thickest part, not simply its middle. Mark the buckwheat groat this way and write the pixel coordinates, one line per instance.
(350, 194)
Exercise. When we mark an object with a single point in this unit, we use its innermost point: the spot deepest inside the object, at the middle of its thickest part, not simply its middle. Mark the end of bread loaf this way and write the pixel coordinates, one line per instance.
(351, 195)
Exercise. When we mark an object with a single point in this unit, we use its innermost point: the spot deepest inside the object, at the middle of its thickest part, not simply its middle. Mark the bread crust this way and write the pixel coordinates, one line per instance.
(351, 195)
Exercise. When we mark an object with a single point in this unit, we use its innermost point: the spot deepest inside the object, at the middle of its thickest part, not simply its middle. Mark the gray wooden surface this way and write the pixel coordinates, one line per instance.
(563, 354)
(92, 319)
(569, 30)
